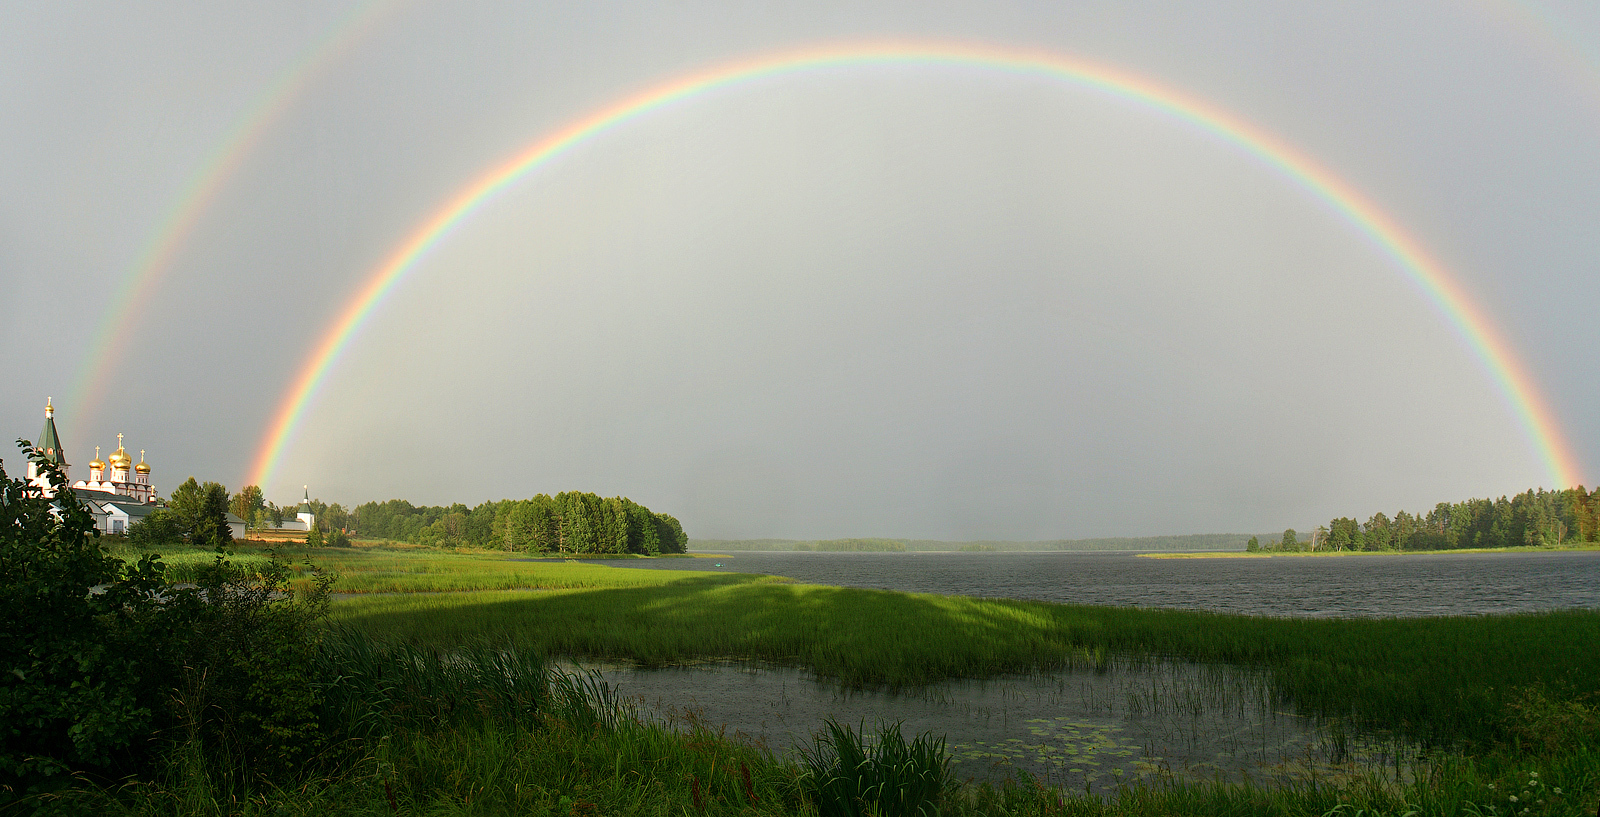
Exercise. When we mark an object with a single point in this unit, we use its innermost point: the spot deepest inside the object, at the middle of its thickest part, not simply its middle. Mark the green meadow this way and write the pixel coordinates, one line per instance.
(399, 568)
(1502, 706)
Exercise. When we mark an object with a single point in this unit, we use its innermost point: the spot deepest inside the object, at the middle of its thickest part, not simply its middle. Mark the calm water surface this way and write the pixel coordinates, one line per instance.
(1356, 585)
(1077, 729)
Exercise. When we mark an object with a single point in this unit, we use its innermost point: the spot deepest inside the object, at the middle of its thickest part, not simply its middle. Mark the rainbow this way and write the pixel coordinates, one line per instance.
(204, 183)
(1413, 260)
(1550, 37)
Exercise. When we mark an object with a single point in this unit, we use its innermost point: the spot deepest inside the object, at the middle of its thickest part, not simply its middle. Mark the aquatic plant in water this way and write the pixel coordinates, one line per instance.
(848, 775)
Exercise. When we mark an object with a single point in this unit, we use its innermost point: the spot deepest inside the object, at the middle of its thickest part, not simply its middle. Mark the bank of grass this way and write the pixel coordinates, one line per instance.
(646, 769)
(1240, 554)
(1437, 679)
(1509, 701)
(476, 731)
(438, 575)
(400, 568)
(1434, 679)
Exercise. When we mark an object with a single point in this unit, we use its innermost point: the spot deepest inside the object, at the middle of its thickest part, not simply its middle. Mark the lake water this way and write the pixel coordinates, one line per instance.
(1077, 729)
(1355, 585)
(1088, 729)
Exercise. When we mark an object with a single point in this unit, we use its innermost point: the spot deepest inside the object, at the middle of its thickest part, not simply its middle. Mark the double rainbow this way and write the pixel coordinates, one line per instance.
(204, 184)
(1467, 320)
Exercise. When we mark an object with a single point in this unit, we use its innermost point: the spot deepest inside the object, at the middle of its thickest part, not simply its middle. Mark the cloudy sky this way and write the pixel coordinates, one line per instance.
(909, 299)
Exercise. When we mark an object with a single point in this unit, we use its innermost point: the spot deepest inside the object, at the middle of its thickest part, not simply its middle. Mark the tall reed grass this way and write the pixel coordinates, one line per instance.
(486, 730)
(849, 774)
(646, 769)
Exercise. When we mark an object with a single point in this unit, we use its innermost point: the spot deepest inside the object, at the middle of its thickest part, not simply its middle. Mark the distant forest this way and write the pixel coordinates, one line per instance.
(1534, 518)
(1192, 542)
(1530, 519)
(571, 522)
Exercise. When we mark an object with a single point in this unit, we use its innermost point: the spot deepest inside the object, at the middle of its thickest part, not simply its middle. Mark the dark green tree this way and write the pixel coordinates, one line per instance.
(1342, 533)
(201, 513)
(334, 517)
(248, 503)
(1378, 533)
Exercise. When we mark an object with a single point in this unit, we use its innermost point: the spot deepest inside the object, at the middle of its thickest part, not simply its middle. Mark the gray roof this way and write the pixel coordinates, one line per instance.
(132, 507)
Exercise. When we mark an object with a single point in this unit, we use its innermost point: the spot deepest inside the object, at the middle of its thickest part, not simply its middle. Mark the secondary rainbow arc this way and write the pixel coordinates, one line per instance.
(1409, 255)
(201, 191)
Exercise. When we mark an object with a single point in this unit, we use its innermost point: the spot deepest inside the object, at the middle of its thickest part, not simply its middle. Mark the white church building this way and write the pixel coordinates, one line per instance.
(118, 491)
(304, 519)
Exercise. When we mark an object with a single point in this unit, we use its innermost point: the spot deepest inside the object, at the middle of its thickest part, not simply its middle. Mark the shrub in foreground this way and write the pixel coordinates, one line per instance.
(79, 674)
(104, 666)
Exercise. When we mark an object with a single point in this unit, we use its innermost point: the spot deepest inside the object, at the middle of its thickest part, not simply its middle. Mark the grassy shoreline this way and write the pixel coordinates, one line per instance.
(1437, 678)
(1492, 694)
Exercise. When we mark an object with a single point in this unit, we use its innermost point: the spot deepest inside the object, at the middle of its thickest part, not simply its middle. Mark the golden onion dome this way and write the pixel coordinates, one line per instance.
(143, 467)
(97, 463)
(120, 458)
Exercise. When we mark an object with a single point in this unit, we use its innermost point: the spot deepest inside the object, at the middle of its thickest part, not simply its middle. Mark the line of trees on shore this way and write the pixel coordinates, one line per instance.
(1534, 518)
(854, 546)
(570, 522)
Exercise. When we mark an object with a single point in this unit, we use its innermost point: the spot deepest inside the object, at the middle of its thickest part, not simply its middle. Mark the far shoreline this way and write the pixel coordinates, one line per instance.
(1240, 554)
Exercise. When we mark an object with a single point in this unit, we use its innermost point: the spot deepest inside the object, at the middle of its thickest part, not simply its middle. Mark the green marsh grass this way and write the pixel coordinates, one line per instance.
(645, 769)
(473, 730)
(406, 569)
(1433, 679)
(848, 774)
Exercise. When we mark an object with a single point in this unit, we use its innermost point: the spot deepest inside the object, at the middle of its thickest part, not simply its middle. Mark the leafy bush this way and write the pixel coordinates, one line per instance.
(157, 529)
(77, 684)
(103, 665)
(246, 686)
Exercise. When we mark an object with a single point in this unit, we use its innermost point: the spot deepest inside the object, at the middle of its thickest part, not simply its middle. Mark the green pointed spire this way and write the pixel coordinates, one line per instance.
(49, 441)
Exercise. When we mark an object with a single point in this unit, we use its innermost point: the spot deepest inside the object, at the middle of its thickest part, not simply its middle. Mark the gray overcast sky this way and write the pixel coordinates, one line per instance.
(902, 301)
